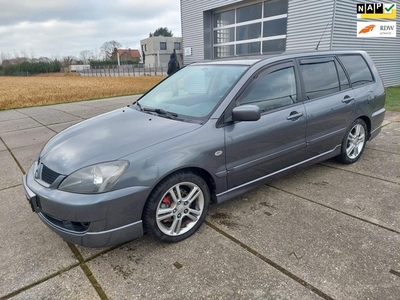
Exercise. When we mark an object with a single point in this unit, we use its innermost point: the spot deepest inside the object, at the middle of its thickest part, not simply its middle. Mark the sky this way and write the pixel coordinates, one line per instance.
(59, 28)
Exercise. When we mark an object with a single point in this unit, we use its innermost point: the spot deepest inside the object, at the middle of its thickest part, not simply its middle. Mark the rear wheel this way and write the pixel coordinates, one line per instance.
(354, 142)
(177, 207)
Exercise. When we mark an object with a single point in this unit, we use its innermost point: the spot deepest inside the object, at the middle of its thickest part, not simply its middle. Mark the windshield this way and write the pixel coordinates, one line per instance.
(194, 91)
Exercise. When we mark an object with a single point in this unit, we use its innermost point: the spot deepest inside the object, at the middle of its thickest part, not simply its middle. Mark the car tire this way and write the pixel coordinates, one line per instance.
(177, 207)
(353, 143)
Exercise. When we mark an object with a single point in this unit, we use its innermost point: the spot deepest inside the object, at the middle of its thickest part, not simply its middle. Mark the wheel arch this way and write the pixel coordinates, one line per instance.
(206, 176)
(367, 122)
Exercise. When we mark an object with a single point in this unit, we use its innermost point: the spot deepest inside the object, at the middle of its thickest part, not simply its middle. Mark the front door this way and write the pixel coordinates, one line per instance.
(257, 149)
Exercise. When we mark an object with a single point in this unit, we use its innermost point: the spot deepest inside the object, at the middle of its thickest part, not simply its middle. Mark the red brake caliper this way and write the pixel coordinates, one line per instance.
(165, 203)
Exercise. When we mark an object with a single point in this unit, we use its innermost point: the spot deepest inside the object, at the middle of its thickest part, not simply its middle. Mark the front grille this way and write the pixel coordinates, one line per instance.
(49, 176)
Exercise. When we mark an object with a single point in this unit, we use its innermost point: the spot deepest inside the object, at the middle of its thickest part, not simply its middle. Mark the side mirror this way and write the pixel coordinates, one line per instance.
(246, 113)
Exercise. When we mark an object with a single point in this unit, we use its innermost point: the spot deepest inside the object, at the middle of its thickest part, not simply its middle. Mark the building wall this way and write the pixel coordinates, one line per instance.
(306, 26)
(153, 54)
(193, 17)
(384, 51)
(307, 20)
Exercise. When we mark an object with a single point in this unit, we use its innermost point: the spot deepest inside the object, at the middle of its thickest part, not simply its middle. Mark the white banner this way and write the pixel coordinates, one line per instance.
(376, 29)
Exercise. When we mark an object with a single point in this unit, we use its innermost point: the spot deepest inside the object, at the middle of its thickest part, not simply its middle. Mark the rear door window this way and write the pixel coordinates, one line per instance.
(357, 69)
(320, 77)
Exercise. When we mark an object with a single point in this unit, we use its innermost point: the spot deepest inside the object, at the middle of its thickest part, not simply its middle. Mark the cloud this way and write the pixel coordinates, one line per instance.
(67, 27)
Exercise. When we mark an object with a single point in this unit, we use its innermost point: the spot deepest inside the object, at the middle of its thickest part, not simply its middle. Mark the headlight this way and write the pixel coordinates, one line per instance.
(94, 179)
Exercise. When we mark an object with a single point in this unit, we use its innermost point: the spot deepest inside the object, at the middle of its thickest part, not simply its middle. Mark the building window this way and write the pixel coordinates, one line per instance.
(248, 13)
(257, 28)
(225, 18)
(163, 46)
(177, 46)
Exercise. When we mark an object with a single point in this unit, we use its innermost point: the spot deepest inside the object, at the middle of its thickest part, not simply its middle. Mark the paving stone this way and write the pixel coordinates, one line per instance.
(27, 137)
(29, 251)
(388, 139)
(18, 124)
(207, 266)
(342, 256)
(373, 200)
(10, 173)
(71, 285)
(85, 112)
(36, 111)
(11, 114)
(27, 155)
(56, 117)
(374, 163)
(2, 146)
(61, 126)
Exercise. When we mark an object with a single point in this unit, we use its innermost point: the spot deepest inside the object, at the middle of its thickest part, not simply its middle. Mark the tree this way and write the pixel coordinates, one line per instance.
(162, 31)
(108, 48)
(86, 56)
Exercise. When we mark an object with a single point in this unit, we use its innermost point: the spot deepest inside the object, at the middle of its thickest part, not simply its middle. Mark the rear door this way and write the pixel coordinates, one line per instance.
(329, 103)
(256, 149)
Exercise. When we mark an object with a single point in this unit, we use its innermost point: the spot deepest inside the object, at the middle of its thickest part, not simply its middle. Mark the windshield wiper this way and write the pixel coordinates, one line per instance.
(158, 111)
(161, 112)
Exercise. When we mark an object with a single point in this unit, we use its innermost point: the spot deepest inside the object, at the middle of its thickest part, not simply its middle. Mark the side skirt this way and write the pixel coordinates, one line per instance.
(241, 189)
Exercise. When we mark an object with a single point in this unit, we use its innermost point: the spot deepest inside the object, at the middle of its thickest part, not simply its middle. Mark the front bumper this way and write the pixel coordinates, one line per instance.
(95, 220)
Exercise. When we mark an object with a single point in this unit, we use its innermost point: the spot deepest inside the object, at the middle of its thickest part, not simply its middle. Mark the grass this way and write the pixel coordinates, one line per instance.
(393, 98)
(18, 92)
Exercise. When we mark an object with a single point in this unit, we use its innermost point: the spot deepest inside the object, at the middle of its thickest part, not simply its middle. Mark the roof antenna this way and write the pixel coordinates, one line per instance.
(316, 48)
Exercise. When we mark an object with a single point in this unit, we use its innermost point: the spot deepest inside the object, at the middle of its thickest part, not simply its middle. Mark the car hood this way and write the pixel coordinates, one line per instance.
(109, 137)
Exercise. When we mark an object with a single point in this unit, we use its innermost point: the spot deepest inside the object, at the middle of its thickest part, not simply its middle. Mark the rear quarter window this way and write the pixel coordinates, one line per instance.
(357, 69)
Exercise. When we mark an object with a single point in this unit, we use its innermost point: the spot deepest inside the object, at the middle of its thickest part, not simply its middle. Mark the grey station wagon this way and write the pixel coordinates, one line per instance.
(210, 132)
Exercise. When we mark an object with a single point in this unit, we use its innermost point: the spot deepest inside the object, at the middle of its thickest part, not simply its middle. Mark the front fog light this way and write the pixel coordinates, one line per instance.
(94, 179)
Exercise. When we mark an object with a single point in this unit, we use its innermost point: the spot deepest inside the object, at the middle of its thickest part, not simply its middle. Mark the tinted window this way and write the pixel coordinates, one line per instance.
(248, 48)
(274, 45)
(357, 69)
(274, 27)
(320, 79)
(272, 90)
(163, 46)
(344, 82)
(275, 7)
(248, 13)
(246, 32)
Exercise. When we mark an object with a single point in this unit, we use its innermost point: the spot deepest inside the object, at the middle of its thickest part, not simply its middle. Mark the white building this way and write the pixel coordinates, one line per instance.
(221, 28)
(156, 50)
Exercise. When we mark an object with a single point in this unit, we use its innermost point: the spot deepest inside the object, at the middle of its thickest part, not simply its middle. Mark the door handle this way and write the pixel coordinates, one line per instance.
(294, 115)
(347, 99)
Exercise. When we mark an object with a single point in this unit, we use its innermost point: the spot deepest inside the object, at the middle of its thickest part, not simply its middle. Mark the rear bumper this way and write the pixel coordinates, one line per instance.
(377, 120)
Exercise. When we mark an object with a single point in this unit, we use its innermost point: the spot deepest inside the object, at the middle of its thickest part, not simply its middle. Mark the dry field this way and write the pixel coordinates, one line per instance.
(17, 92)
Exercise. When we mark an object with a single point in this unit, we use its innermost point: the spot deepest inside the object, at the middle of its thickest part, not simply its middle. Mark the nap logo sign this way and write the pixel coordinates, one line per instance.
(376, 11)
(376, 29)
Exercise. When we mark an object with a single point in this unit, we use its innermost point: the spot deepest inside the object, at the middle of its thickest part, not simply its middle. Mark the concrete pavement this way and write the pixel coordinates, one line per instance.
(329, 231)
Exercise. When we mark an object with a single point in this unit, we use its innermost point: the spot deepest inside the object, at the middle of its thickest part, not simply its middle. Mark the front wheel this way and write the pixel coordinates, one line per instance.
(354, 142)
(177, 207)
